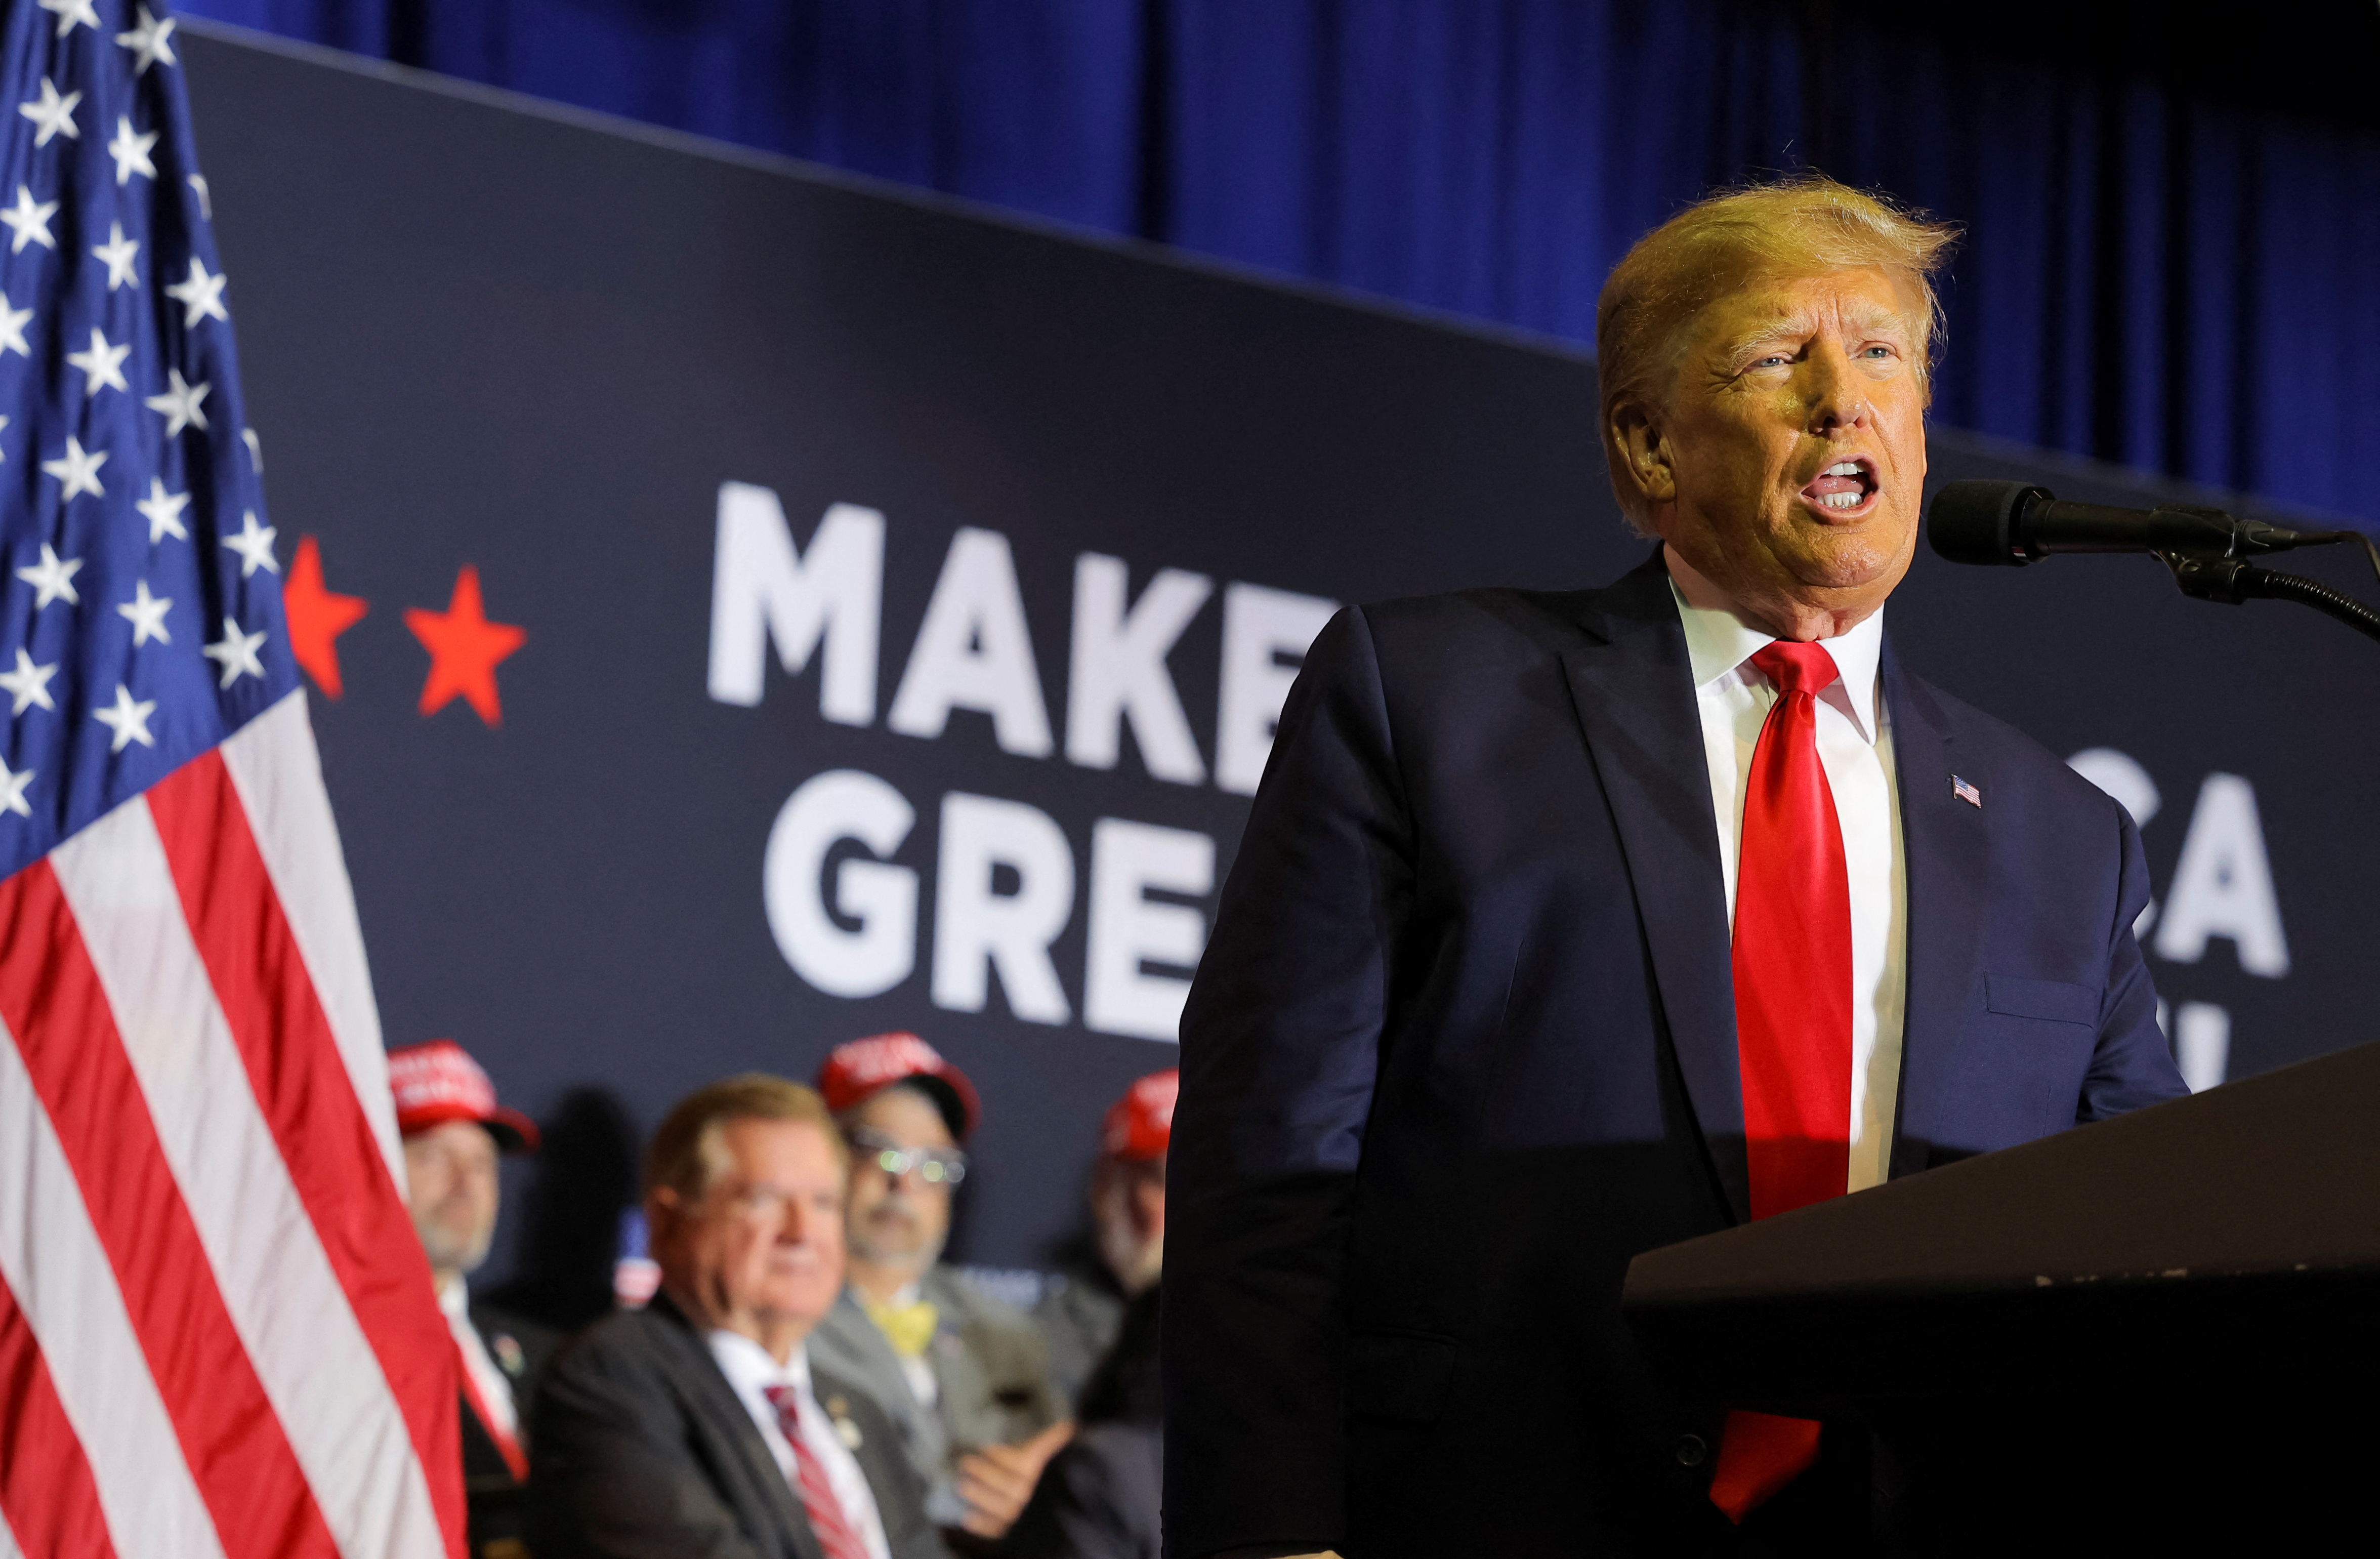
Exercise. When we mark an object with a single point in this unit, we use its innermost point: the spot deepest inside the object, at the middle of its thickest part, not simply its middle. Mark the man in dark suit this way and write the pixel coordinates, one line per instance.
(454, 1129)
(697, 1426)
(1569, 925)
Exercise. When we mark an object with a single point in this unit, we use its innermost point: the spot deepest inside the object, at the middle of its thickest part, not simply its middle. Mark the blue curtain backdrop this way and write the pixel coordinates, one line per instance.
(2157, 274)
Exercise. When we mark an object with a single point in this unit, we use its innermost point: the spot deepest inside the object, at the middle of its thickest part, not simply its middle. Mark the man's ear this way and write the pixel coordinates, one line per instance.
(663, 1209)
(1644, 452)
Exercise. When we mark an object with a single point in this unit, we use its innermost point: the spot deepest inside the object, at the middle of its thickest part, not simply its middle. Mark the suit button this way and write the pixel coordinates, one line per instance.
(1690, 1450)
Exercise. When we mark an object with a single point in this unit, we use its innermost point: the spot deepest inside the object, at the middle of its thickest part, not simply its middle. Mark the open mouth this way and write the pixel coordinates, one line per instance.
(1845, 487)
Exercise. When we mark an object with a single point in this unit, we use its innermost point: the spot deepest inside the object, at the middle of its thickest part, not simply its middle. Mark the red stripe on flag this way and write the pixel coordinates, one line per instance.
(302, 1086)
(230, 1436)
(47, 1489)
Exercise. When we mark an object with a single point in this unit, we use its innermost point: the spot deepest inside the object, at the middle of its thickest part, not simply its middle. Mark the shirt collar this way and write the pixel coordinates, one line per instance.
(1717, 642)
(749, 1368)
(455, 1299)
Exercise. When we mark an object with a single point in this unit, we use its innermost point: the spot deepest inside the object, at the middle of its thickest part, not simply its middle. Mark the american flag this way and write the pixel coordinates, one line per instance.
(218, 1335)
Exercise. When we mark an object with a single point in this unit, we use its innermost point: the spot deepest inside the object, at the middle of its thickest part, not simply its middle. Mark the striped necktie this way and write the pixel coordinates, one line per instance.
(836, 1535)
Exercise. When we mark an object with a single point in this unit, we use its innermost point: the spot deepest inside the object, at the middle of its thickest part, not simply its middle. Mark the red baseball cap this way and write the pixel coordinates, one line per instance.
(1140, 1124)
(858, 1071)
(438, 1082)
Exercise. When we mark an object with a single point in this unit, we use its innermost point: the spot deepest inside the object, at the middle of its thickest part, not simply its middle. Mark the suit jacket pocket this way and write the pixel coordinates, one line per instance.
(2055, 1000)
(1402, 1376)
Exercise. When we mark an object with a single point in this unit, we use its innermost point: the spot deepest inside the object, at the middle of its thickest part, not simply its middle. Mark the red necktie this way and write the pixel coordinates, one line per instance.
(836, 1536)
(1793, 1016)
(507, 1444)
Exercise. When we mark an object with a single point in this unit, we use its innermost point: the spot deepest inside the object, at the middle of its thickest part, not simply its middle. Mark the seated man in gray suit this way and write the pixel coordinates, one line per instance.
(965, 1376)
(696, 1428)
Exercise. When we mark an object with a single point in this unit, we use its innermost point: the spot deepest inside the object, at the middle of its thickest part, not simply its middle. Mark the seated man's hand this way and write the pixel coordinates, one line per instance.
(998, 1479)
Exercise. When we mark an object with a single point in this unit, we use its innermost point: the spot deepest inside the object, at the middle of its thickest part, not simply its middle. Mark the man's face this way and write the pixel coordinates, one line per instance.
(1789, 461)
(450, 1177)
(1128, 1220)
(762, 1250)
(898, 1221)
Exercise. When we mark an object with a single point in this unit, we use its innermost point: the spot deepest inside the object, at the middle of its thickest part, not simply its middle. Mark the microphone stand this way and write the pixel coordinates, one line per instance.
(2232, 580)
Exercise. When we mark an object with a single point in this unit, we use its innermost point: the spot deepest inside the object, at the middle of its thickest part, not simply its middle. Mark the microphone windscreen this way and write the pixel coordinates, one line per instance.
(1981, 521)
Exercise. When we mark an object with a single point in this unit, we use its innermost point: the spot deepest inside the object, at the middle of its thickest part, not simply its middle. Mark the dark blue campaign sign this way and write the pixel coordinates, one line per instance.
(747, 609)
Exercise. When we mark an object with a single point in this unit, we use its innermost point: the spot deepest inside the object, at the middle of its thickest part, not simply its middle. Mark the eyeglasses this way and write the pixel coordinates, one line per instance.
(936, 1166)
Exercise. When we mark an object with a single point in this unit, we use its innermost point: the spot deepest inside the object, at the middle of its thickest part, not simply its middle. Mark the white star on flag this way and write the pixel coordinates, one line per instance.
(198, 183)
(131, 152)
(12, 790)
(117, 254)
(28, 684)
(78, 469)
(164, 510)
(255, 449)
(72, 14)
(12, 328)
(146, 612)
(103, 365)
(200, 296)
(235, 654)
(179, 404)
(254, 544)
(129, 719)
(53, 114)
(147, 41)
(52, 579)
(30, 221)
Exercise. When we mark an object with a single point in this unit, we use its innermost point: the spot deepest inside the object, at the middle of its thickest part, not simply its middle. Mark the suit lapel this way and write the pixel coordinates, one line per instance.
(1945, 847)
(734, 1439)
(1634, 695)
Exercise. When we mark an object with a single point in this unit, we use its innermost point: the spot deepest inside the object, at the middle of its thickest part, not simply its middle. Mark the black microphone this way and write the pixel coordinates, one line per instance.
(2014, 523)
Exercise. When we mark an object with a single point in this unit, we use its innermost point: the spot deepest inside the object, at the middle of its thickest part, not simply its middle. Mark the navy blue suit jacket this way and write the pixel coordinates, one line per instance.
(1463, 1043)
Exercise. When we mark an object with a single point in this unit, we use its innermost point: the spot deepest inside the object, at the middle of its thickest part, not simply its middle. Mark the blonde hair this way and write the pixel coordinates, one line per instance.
(686, 1153)
(1806, 226)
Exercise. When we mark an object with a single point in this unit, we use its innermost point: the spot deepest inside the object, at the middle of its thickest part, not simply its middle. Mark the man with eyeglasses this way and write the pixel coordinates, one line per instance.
(701, 1425)
(964, 1375)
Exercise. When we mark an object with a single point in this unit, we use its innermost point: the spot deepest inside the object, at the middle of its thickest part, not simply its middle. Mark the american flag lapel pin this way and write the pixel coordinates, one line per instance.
(1966, 792)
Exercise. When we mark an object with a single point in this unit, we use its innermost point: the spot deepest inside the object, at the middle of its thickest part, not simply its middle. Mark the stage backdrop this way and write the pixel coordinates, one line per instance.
(748, 609)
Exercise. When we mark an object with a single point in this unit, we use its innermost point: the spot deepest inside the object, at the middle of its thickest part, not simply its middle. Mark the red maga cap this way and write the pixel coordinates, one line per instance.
(438, 1082)
(1140, 1124)
(856, 1072)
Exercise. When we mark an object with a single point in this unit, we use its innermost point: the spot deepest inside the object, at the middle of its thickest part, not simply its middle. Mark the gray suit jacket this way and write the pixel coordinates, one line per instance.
(991, 1377)
(641, 1450)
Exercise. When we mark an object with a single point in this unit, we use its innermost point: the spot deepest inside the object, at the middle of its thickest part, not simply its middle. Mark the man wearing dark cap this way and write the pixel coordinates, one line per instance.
(453, 1128)
(1082, 1308)
(964, 1375)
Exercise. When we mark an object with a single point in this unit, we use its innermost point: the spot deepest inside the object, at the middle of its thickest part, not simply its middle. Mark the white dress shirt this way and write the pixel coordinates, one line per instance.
(1855, 749)
(751, 1371)
(495, 1387)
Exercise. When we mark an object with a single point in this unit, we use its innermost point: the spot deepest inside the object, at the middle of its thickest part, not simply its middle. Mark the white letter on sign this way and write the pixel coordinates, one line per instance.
(1127, 860)
(973, 651)
(2223, 885)
(1260, 626)
(1118, 669)
(882, 898)
(978, 928)
(761, 587)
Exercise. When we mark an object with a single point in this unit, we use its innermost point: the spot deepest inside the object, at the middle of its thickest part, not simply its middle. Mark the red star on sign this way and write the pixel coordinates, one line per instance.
(464, 649)
(317, 616)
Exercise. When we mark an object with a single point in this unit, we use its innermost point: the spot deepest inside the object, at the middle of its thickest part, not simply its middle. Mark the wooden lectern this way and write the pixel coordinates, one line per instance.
(2163, 1329)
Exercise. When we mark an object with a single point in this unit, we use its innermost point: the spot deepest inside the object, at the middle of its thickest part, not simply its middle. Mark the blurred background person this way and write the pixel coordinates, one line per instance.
(454, 1129)
(1082, 1308)
(697, 1424)
(1101, 1496)
(963, 1374)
